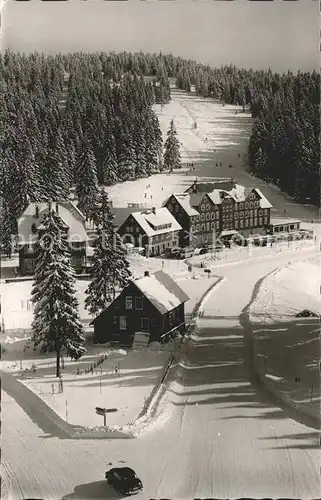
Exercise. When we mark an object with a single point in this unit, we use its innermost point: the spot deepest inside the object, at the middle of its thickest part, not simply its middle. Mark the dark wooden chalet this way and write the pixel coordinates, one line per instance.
(152, 304)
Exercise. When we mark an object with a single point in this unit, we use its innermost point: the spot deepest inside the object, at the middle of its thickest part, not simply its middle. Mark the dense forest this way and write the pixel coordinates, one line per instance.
(105, 131)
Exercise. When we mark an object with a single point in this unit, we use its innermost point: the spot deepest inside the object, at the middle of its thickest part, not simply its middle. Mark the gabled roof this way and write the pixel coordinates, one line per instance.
(184, 201)
(67, 211)
(162, 291)
(122, 213)
(149, 220)
(208, 187)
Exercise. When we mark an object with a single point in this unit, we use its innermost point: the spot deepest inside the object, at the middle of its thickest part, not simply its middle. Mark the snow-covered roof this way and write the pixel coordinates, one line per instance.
(184, 199)
(151, 221)
(239, 194)
(277, 221)
(67, 211)
(162, 291)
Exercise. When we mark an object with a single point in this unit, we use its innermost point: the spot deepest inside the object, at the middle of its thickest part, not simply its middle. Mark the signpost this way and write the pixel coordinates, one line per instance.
(103, 411)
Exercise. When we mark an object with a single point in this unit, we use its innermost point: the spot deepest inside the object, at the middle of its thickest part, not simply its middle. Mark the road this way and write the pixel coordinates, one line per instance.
(223, 439)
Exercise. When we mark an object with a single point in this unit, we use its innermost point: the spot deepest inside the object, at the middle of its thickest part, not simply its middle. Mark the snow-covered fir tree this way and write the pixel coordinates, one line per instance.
(172, 156)
(110, 269)
(56, 325)
(86, 180)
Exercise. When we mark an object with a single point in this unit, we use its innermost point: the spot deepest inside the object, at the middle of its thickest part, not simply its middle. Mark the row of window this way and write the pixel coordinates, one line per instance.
(251, 213)
(205, 227)
(121, 322)
(146, 323)
(131, 301)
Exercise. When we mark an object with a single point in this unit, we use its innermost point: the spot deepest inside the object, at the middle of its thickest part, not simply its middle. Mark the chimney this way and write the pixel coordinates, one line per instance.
(37, 212)
(194, 186)
(154, 210)
(146, 273)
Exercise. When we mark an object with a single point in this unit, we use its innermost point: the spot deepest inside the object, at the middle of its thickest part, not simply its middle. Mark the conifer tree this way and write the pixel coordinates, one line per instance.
(110, 269)
(172, 156)
(56, 325)
(86, 180)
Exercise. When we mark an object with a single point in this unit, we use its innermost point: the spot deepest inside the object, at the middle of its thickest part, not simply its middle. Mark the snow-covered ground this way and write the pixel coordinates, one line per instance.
(288, 291)
(125, 391)
(228, 439)
(286, 349)
(83, 389)
(218, 127)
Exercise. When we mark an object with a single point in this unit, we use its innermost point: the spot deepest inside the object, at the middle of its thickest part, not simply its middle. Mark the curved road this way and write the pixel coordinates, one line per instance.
(223, 439)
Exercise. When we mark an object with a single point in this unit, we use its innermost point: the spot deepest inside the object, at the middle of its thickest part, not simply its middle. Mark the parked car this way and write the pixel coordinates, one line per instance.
(124, 480)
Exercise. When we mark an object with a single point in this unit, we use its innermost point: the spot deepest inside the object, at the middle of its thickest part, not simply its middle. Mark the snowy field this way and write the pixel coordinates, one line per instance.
(288, 291)
(127, 390)
(286, 350)
(218, 127)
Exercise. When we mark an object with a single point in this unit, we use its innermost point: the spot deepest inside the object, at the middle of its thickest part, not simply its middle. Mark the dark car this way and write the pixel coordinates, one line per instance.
(124, 480)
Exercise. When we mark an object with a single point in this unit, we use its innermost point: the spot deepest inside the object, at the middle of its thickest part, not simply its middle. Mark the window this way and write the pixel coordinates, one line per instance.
(217, 214)
(193, 229)
(241, 224)
(212, 216)
(236, 224)
(144, 324)
(137, 229)
(255, 213)
(246, 223)
(128, 302)
(29, 265)
(197, 218)
(246, 205)
(153, 322)
(265, 211)
(241, 206)
(217, 225)
(203, 227)
(197, 227)
(202, 208)
(122, 323)
(251, 222)
(260, 212)
(260, 221)
(115, 320)
(251, 204)
(207, 226)
(241, 215)
(236, 215)
(212, 225)
(251, 213)
(247, 213)
(255, 221)
(207, 206)
(265, 220)
(208, 216)
(203, 217)
(139, 303)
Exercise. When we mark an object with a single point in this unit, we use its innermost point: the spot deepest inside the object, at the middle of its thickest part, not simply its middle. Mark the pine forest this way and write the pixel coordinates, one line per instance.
(87, 119)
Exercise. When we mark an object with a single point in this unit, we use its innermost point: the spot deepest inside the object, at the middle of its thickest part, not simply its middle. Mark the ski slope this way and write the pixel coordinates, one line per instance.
(219, 128)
